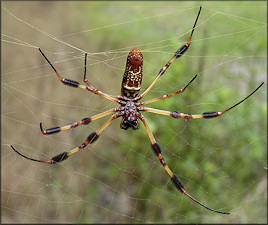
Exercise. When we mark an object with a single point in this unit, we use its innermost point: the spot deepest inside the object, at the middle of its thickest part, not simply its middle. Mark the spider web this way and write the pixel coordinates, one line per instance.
(222, 161)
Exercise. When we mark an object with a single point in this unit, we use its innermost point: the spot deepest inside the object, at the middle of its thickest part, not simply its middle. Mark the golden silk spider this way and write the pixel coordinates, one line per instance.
(130, 108)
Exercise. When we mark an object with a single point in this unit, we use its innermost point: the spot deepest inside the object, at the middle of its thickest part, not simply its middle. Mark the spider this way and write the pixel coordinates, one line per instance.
(130, 109)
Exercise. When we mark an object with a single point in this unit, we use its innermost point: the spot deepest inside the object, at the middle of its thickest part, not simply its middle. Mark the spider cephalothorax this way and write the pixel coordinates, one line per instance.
(130, 116)
(130, 109)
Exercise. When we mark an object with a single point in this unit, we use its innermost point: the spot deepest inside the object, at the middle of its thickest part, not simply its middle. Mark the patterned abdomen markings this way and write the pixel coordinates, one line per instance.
(132, 79)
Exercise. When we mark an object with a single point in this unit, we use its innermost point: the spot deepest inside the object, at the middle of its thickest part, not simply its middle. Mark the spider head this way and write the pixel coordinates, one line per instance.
(134, 124)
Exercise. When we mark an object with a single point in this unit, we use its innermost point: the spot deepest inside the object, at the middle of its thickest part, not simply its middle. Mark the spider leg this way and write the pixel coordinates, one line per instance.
(197, 116)
(84, 121)
(175, 179)
(169, 95)
(85, 79)
(73, 83)
(177, 54)
(64, 155)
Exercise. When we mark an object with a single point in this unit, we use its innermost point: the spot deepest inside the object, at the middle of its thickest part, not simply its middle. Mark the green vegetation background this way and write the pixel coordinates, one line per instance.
(221, 161)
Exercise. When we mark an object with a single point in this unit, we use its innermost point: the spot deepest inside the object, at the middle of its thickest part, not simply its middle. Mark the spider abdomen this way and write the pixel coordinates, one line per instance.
(132, 79)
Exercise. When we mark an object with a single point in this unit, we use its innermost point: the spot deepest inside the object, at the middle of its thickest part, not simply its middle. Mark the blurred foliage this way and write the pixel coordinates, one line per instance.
(222, 161)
